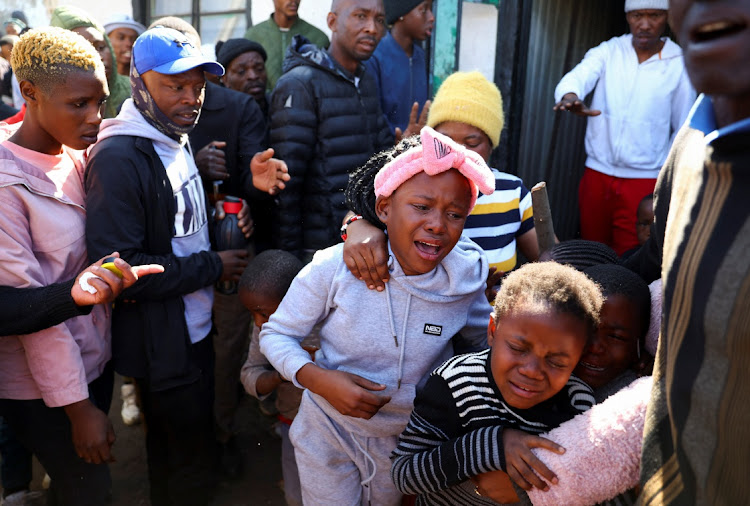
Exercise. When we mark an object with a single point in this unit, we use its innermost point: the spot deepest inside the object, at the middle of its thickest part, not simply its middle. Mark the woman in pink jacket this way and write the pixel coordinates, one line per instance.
(55, 382)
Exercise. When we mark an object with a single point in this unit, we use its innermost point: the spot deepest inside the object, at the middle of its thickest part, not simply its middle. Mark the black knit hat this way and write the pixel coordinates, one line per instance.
(232, 48)
(394, 9)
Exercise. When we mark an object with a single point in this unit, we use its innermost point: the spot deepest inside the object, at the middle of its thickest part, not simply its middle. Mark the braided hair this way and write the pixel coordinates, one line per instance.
(360, 192)
(581, 254)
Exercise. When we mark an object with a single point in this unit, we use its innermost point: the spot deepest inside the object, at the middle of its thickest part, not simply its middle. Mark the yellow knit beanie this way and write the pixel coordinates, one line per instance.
(470, 98)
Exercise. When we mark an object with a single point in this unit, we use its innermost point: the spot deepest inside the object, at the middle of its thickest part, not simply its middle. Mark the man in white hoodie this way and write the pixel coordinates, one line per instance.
(145, 199)
(642, 96)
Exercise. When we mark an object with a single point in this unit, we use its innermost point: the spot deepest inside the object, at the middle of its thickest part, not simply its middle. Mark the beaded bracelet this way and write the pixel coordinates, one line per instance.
(348, 222)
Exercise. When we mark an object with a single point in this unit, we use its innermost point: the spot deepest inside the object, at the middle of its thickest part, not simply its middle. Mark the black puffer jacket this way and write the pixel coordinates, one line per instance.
(323, 126)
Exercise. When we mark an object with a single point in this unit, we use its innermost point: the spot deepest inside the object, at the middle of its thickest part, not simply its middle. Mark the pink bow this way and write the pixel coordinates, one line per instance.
(437, 154)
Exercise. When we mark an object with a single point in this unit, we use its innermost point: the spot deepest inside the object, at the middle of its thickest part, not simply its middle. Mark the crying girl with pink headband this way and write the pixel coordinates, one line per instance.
(376, 347)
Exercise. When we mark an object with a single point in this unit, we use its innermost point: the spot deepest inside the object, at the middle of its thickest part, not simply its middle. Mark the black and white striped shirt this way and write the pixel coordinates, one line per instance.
(455, 430)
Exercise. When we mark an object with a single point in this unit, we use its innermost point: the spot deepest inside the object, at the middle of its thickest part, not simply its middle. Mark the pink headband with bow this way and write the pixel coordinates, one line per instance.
(437, 154)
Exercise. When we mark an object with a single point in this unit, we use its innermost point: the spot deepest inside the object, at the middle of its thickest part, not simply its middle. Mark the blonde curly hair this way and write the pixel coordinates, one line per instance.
(550, 285)
(45, 55)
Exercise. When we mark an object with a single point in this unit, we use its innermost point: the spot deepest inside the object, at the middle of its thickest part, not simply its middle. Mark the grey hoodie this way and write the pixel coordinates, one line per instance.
(358, 326)
(190, 231)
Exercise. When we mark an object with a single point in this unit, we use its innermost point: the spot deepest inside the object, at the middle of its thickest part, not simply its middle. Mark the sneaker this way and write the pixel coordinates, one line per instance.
(131, 415)
(25, 498)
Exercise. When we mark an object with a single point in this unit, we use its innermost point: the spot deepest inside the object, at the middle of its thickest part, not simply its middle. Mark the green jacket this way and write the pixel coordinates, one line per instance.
(275, 42)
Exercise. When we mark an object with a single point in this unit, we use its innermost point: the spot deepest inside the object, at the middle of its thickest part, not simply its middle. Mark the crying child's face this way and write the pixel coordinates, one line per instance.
(425, 217)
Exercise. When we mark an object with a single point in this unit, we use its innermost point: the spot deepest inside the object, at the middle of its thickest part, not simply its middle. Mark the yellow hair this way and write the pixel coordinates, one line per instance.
(45, 55)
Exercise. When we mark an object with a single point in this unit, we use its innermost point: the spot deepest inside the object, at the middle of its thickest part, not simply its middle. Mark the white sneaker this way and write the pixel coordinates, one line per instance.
(131, 415)
(24, 498)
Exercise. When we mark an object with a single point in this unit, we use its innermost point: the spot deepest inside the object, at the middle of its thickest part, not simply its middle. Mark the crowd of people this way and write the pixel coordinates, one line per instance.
(298, 216)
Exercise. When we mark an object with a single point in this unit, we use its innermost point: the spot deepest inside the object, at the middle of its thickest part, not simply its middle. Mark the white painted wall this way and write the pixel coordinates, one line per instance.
(478, 39)
(35, 11)
(39, 11)
(312, 11)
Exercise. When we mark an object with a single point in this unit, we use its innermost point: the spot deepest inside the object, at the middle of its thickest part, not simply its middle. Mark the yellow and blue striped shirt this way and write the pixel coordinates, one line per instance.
(499, 218)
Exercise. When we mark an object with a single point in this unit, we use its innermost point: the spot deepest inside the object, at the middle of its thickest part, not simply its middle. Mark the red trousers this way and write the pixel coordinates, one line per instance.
(608, 207)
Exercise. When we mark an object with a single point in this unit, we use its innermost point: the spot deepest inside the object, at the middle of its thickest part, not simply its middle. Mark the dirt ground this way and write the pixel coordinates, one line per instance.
(260, 483)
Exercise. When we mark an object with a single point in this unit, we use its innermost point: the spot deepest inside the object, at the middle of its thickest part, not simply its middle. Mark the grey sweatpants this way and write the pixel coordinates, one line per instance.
(332, 462)
(289, 472)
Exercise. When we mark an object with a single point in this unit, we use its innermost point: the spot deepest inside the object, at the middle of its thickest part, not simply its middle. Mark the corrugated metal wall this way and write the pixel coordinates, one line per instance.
(551, 144)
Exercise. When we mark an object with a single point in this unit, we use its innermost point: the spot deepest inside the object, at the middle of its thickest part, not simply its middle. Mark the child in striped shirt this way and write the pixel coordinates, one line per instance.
(479, 412)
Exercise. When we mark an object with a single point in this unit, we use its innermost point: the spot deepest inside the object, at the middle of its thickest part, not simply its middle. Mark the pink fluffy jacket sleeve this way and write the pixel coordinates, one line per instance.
(603, 450)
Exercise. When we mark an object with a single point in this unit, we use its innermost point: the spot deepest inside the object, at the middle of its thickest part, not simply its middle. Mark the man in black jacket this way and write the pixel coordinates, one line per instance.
(230, 131)
(145, 200)
(326, 121)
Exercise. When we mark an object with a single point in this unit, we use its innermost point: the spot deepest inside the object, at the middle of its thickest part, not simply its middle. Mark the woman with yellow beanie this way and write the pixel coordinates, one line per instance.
(469, 109)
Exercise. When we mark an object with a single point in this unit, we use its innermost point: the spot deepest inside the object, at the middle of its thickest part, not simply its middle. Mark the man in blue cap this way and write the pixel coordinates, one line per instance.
(145, 199)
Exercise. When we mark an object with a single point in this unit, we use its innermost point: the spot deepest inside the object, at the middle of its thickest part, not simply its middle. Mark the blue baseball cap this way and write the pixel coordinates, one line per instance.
(168, 51)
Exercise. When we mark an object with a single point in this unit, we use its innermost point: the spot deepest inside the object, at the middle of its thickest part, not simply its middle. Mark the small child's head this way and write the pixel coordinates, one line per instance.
(265, 282)
(544, 315)
(468, 108)
(423, 193)
(580, 254)
(414, 17)
(644, 217)
(6, 45)
(62, 79)
(619, 340)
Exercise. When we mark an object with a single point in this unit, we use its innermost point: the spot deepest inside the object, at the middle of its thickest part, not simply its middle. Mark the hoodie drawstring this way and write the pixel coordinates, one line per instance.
(368, 458)
(392, 323)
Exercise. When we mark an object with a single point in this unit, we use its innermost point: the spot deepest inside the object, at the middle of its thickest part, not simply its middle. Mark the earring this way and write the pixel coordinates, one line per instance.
(401, 18)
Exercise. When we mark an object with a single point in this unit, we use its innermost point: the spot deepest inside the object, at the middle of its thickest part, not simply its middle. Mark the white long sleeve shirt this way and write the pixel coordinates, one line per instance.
(642, 105)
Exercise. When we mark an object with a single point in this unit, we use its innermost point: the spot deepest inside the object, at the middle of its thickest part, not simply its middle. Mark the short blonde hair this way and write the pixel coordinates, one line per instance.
(555, 286)
(45, 55)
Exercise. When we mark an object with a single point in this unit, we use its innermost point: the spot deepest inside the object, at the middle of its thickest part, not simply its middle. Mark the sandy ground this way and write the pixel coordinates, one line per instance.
(260, 481)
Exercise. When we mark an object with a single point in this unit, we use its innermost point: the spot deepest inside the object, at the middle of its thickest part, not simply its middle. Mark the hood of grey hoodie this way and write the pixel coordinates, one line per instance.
(462, 272)
(131, 122)
(179, 166)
